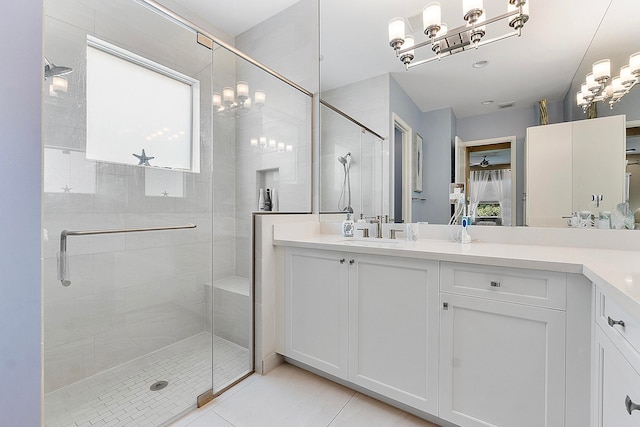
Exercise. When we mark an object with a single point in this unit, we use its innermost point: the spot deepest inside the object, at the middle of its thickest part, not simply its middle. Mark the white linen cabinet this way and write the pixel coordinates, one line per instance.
(567, 163)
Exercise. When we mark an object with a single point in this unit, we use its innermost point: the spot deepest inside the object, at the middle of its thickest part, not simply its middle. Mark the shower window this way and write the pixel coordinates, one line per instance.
(140, 112)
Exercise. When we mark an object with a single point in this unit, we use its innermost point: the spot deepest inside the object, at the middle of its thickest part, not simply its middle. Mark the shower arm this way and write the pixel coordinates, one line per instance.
(62, 256)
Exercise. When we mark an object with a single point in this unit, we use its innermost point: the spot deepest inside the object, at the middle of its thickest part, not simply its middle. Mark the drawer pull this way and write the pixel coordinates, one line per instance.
(495, 284)
(352, 261)
(612, 322)
(342, 261)
(628, 403)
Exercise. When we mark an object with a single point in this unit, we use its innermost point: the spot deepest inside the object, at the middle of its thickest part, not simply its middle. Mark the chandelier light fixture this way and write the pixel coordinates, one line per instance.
(445, 42)
(239, 100)
(595, 88)
(270, 144)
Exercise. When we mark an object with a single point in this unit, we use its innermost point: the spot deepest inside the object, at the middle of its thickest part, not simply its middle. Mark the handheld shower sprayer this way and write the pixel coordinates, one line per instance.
(346, 183)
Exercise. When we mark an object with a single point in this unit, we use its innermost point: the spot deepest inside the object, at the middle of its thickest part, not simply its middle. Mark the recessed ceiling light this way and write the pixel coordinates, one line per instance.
(480, 64)
(487, 102)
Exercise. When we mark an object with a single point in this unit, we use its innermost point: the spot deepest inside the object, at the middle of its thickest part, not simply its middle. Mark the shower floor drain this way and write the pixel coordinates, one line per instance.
(158, 385)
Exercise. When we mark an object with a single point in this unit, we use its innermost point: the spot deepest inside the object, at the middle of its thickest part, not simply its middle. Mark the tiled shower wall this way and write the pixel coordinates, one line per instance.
(288, 44)
(130, 294)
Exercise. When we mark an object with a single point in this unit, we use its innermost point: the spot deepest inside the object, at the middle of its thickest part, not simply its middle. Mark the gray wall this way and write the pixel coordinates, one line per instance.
(20, 170)
(408, 111)
(508, 122)
(438, 150)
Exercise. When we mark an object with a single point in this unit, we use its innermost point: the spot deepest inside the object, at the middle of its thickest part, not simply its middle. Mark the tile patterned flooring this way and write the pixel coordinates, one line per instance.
(289, 396)
(121, 396)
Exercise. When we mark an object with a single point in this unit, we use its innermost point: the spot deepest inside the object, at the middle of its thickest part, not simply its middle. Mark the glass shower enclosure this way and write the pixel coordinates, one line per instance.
(156, 142)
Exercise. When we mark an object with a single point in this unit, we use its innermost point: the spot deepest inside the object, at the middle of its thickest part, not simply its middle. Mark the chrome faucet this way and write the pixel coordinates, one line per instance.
(378, 221)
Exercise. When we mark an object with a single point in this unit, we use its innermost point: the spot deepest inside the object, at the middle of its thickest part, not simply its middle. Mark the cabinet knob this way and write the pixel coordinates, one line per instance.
(495, 284)
(628, 403)
(351, 261)
(342, 260)
(612, 322)
(445, 306)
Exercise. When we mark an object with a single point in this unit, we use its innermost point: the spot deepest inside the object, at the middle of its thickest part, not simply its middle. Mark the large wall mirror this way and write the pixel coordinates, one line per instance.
(470, 109)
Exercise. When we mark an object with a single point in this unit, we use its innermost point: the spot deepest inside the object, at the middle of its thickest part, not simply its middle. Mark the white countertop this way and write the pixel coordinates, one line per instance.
(616, 272)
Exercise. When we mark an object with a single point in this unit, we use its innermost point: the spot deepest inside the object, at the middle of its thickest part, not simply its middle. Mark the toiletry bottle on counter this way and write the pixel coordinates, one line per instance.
(261, 200)
(267, 200)
(347, 226)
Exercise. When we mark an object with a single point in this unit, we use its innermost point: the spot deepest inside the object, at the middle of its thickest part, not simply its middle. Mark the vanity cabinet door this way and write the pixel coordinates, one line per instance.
(393, 328)
(316, 309)
(501, 364)
(616, 381)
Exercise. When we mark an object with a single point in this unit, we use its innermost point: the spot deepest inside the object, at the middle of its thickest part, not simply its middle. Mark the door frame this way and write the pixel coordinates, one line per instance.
(407, 162)
(461, 165)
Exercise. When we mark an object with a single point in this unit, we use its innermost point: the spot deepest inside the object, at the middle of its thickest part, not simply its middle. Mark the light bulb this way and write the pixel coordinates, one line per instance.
(260, 98)
(217, 99)
(60, 84)
(626, 77)
(396, 30)
(602, 70)
(618, 87)
(634, 64)
(471, 9)
(431, 18)
(592, 84)
(243, 90)
(228, 95)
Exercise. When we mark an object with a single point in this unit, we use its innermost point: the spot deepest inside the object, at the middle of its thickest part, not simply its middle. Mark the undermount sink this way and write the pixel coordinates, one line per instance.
(372, 241)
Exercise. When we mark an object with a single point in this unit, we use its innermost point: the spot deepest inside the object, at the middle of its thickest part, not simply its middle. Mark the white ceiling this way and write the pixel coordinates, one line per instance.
(235, 17)
(540, 64)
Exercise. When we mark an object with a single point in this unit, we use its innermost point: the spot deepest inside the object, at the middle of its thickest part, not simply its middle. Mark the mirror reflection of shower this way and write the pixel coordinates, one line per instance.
(345, 194)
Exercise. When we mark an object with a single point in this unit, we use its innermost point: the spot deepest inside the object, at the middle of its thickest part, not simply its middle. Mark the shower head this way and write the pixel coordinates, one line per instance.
(344, 160)
(51, 70)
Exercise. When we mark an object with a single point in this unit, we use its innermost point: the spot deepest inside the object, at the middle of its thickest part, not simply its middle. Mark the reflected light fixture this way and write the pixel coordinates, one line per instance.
(239, 100)
(595, 87)
(445, 42)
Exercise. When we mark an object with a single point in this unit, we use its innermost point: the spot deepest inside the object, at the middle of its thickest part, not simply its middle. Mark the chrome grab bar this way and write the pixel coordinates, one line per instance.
(63, 265)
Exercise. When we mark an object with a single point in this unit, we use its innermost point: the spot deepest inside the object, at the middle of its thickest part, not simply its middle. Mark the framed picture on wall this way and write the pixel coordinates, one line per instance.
(418, 163)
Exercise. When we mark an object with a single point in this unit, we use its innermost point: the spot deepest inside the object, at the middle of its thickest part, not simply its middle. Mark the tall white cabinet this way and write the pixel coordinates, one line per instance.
(567, 163)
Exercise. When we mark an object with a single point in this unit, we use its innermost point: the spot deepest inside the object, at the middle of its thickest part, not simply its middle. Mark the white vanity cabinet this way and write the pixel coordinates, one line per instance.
(616, 371)
(502, 346)
(393, 328)
(576, 160)
(372, 320)
(317, 309)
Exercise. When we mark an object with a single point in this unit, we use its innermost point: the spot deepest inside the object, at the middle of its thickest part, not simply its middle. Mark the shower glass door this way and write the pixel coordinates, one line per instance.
(128, 147)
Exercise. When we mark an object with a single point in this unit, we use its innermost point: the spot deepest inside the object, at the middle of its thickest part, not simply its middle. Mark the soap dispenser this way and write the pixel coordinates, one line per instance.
(347, 226)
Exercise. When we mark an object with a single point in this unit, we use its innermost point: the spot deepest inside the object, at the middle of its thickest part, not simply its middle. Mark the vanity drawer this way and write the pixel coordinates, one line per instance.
(609, 315)
(533, 287)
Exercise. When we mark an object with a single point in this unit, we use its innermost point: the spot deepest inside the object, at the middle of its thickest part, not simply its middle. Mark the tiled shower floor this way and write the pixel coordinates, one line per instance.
(121, 395)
